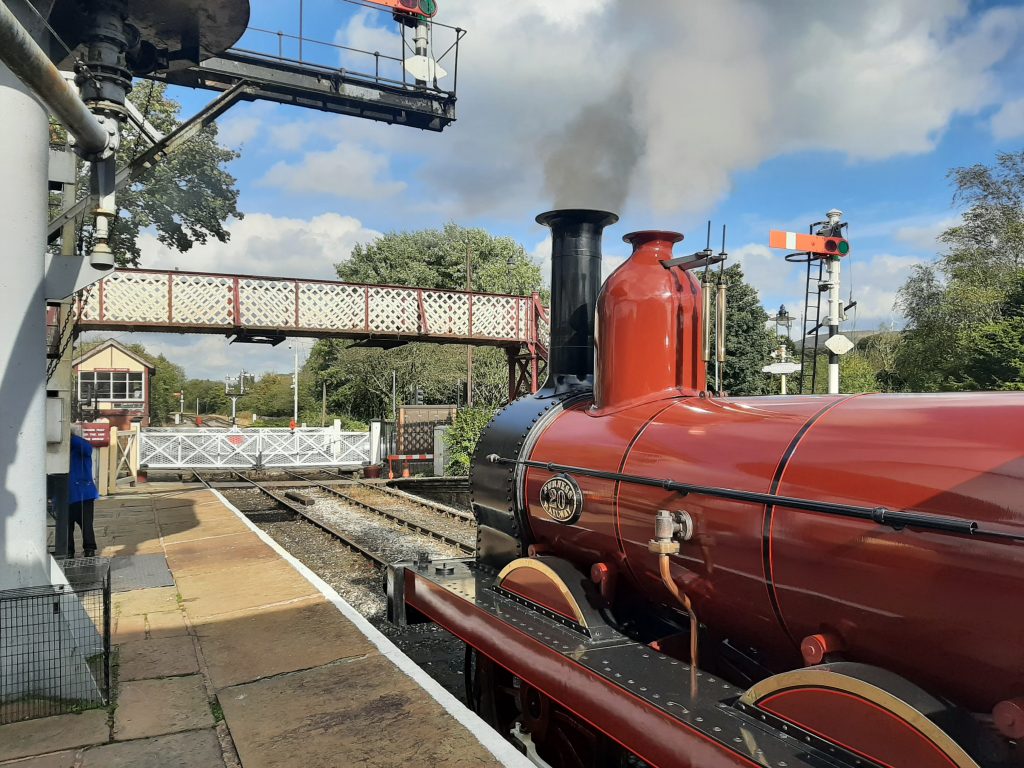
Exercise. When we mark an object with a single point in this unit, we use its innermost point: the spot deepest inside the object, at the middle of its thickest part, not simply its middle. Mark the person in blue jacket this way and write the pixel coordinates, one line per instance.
(81, 494)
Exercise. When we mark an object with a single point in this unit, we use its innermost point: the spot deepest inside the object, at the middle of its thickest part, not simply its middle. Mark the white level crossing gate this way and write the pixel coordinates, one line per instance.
(252, 448)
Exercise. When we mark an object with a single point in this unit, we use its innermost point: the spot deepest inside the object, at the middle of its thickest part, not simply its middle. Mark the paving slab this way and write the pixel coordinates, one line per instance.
(128, 628)
(193, 529)
(157, 707)
(139, 572)
(54, 760)
(235, 589)
(325, 715)
(192, 749)
(301, 635)
(52, 734)
(157, 657)
(137, 602)
(191, 558)
(165, 624)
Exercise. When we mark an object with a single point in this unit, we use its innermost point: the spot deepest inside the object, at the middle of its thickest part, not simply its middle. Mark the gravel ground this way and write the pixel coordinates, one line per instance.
(358, 581)
(380, 535)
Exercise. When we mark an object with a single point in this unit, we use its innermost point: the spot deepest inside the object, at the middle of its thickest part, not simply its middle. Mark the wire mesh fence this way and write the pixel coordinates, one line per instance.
(55, 644)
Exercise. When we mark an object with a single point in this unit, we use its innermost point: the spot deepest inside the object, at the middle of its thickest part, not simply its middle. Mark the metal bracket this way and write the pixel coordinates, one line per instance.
(695, 260)
(159, 151)
(67, 275)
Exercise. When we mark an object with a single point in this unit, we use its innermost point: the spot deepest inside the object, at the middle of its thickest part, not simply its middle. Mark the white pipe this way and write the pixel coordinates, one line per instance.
(24, 135)
(32, 66)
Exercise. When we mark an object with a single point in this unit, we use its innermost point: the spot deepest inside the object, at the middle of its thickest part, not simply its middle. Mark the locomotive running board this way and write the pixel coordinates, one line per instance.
(636, 696)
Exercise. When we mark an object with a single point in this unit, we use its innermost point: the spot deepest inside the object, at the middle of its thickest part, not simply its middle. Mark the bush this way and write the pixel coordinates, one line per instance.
(461, 438)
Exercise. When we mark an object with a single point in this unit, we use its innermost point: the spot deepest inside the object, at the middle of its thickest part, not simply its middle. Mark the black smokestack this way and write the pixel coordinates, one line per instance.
(575, 282)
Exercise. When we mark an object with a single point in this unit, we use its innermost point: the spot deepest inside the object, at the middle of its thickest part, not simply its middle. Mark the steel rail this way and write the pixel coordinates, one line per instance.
(434, 506)
(322, 525)
(411, 525)
(20, 52)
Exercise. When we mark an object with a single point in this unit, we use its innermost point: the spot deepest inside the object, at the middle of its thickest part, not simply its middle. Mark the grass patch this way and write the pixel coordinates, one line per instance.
(217, 711)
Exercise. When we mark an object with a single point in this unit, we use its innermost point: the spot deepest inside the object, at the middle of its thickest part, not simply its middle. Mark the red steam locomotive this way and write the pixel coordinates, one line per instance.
(671, 578)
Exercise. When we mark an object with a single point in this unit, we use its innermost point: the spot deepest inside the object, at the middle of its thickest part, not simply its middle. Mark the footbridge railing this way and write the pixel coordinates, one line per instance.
(194, 302)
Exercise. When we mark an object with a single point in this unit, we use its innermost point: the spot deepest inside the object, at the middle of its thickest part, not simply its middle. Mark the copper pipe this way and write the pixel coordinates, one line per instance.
(684, 600)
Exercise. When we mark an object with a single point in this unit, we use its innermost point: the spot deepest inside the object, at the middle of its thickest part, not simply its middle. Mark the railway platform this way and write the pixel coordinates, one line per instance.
(244, 658)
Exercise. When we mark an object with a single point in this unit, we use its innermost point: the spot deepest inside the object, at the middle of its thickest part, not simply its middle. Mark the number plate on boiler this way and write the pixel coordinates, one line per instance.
(562, 499)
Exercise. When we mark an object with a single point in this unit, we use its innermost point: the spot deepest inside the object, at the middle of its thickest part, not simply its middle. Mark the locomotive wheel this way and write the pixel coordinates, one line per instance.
(865, 711)
(561, 739)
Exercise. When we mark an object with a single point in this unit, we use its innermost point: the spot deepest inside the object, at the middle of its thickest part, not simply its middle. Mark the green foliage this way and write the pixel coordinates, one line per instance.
(857, 373)
(436, 258)
(186, 198)
(271, 395)
(748, 342)
(359, 380)
(962, 330)
(461, 438)
(210, 395)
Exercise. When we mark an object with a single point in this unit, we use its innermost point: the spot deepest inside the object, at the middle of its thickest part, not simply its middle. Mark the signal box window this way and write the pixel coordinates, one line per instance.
(110, 385)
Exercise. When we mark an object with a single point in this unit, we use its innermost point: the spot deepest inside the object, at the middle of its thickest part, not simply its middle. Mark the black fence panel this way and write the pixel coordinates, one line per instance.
(55, 644)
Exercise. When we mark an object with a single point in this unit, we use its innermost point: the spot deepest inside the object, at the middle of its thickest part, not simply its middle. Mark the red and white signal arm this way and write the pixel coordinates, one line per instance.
(419, 7)
(817, 244)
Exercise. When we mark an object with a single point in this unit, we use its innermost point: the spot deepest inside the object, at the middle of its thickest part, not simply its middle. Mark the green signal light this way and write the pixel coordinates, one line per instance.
(844, 247)
(428, 7)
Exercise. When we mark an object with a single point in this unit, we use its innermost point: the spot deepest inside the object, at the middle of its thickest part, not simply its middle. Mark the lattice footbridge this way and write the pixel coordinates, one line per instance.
(269, 309)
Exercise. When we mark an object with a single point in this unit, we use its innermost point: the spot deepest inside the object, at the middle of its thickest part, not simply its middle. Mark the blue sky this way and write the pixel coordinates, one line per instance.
(756, 114)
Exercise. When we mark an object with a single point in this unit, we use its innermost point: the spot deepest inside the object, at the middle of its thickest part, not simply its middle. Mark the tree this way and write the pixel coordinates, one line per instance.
(186, 198)
(748, 340)
(856, 374)
(882, 351)
(996, 360)
(271, 395)
(359, 380)
(210, 395)
(461, 438)
(168, 379)
(960, 309)
(436, 258)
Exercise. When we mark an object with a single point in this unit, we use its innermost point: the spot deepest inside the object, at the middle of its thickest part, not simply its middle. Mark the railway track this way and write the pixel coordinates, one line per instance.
(297, 510)
(390, 513)
(409, 521)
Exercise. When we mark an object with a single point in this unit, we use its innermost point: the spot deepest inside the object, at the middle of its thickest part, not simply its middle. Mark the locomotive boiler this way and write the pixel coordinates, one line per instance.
(674, 578)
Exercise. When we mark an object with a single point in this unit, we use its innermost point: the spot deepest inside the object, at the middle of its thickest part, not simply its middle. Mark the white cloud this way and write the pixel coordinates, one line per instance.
(652, 106)
(243, 124)
(875, 280)
(262, 244)
(349, 170)
(925, 236)
(1008, 122)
